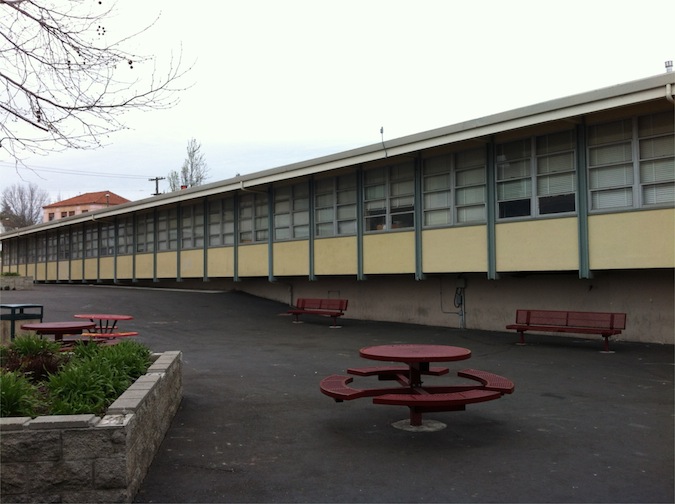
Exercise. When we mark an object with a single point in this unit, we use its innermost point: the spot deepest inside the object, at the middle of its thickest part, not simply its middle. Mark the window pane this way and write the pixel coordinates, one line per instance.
(470, 177)
(555, 163)
(611, 176)
(324, 215)
(657, 147)
(610, 132)
(324, 229)
(612, 198)
(516, 208)
(471, 214)
(437, 218)
(656, 124)
(437, 200)
(513, 170)
(347, 227)
(557, 204)
(658, 194)
(556, 184)
(657, 171)
(375, 192)
(617, 153)
(346, 212)
(514, 190)
(470, 195)
(437, 182)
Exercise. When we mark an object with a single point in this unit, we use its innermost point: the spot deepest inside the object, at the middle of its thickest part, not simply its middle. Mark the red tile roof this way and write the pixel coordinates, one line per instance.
(93, 198)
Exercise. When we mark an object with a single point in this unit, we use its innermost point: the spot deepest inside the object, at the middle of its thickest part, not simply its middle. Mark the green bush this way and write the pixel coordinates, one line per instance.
(86, 381)
(18, 397)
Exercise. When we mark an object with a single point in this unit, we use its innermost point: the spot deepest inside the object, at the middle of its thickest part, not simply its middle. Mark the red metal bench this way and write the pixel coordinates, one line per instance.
(329, 307)
(337, 387)
(605, 324)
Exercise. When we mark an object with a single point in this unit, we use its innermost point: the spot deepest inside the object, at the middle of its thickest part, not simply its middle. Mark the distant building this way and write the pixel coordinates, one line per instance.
(80, 204)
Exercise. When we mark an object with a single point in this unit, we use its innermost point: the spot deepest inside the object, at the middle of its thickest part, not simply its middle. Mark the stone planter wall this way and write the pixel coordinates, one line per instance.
(16, 282)
(85, 458)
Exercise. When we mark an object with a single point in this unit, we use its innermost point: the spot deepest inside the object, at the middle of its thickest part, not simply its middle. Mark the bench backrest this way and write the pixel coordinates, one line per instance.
(599, 320)
(322, 304)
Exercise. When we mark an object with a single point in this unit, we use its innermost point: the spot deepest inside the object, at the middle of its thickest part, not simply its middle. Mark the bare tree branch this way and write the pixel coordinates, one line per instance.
(63, 85)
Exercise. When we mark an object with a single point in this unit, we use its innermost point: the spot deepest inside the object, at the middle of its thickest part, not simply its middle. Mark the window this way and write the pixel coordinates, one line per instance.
(51, 216)
(610, 164)
(64, 245)
(514, 178)
(656, 134)
(461, 174)
(31, 250)
(335, 206)
(537, 176)
(291, 212)
(125, 235)
(145, 232)
(631, 162)
(41, 244)
(389, 198)
(91, 240)
(470, 185)
(192, 226)
(107, 239)
(221, 222)
(556, 177)
(77, 243)
(167, 229)
(253, 218)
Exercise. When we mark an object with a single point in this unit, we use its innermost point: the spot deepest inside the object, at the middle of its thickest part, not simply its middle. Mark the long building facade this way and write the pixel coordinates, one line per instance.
(566, 204)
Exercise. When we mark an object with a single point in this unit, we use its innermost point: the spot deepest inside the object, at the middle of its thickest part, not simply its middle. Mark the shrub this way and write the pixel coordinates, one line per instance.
(18, 397)
(86, 381)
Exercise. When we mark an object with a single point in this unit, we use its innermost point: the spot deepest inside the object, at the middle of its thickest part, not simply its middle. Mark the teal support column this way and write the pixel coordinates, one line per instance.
(419, 220)
(134, 244)
(205, 276)
(359, 224)
(270, 234)
(155, 226)
(582, 203)
(312, 229)
(116, 237)
(235, 211)
(491, 211)
(179, 240)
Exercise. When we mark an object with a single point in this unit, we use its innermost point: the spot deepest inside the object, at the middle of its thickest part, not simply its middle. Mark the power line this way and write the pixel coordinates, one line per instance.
(65, 171)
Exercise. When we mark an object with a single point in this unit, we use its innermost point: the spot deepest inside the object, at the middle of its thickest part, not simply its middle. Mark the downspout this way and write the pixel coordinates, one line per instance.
(669, 93)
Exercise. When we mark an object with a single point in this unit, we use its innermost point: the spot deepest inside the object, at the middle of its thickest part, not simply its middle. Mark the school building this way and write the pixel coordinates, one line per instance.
(566, 204)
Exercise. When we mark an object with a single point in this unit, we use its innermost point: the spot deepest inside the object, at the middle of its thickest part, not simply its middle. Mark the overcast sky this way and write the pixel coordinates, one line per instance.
(277, 82)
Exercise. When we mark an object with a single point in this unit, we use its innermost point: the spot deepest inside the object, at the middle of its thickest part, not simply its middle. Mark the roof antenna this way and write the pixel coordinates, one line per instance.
(669, 66)
(383, 146)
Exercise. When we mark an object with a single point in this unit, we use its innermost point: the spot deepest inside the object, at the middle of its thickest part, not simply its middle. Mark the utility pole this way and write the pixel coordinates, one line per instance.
(156, 181)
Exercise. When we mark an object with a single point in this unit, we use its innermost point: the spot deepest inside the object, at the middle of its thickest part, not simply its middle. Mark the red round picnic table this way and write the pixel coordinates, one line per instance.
(104, 322)
(58, 329)
(417, 357)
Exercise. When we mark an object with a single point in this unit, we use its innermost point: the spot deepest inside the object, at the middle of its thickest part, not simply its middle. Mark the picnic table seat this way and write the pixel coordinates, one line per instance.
(455, 400)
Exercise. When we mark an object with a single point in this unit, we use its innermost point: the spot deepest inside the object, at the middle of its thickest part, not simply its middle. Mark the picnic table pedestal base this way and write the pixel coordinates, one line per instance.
(425, 425)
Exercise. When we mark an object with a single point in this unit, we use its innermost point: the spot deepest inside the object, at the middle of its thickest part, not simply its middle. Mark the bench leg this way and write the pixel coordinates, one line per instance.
(521, 341)
(335, 325)
(606, 345)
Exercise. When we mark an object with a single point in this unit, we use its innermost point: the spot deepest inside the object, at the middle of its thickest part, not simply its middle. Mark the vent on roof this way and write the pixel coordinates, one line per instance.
(669, 66)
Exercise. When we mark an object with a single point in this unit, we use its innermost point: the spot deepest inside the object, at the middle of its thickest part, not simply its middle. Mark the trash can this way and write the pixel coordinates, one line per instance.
(13, 315)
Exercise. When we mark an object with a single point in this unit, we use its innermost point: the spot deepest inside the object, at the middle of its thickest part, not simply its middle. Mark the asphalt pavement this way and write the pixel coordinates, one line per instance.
(253, 427)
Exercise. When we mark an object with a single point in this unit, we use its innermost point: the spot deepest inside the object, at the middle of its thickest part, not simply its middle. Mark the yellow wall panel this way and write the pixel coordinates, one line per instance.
(107, 268)
(51, 271)
(125, 267)
(538, 245)
(335, 256)
(253, 260)
(462, 249)
(221, 262)
(76, 270)
(144, 264)
(90, 269)
(632, 240)
(63, 271)
(192, 263)
(389, 253)
(166, 265)
(291, 258)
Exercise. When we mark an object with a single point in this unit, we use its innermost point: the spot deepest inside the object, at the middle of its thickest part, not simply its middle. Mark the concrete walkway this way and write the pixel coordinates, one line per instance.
(582, 426)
